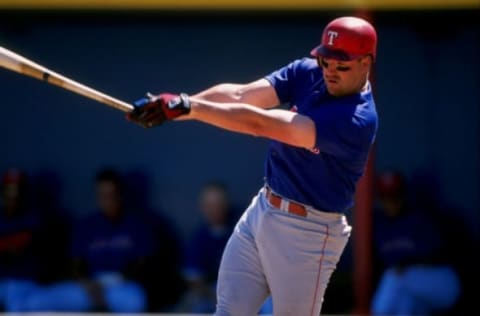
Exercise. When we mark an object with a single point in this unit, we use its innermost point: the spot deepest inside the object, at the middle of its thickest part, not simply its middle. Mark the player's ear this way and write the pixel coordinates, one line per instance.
(366, 61)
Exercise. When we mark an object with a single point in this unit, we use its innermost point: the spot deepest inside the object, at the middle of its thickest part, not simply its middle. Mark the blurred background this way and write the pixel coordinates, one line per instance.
(84, 191)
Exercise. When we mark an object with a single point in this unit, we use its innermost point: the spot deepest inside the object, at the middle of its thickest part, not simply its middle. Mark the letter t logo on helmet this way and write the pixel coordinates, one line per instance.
(347, 38)
(331, 36)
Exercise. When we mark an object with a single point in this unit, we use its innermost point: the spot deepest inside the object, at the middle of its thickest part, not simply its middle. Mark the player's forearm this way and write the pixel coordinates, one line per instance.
(284, 126)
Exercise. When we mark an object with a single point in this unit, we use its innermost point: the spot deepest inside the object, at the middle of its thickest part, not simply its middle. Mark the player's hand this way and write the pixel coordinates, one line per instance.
(154, 110)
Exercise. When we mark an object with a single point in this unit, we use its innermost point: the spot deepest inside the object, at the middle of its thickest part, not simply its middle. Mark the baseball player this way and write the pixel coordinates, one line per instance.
(290, 238)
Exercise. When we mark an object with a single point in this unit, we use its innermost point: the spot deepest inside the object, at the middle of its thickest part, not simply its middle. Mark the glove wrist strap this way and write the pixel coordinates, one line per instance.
(185, 99)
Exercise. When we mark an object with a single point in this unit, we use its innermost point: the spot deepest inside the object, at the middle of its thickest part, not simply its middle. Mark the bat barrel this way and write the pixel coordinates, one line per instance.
(20, 64)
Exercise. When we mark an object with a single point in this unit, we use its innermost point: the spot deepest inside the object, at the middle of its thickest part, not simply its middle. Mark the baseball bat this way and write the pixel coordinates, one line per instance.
(22, 65)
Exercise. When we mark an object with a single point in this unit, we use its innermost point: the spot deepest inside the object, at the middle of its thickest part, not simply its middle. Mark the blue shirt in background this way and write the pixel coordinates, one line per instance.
(410, 238)
(110, 246)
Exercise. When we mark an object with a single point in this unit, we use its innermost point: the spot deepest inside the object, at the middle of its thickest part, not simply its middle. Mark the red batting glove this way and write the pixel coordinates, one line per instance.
(155, 110)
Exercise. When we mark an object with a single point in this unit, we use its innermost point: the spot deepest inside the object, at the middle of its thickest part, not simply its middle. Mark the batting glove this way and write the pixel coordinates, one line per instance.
(155, 110)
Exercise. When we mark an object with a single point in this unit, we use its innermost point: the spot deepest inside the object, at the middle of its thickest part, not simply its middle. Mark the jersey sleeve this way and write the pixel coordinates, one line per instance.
(283, 81)
(342, 133)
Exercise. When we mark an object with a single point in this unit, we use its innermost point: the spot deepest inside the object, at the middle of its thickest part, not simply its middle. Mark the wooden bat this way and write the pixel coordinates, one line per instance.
(22, 65)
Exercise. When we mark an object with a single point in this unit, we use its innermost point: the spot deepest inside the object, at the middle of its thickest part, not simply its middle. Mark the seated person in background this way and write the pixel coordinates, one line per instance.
(162, 278)
(205, 248)
(55, 235)
(108, 251)
(416, 277)
(20, 246)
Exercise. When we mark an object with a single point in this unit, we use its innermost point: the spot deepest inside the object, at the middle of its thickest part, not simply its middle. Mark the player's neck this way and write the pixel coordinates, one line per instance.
(365, 87)
(362, 87)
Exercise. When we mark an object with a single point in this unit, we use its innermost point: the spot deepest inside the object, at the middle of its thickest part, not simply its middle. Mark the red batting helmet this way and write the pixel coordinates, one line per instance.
(347, 38)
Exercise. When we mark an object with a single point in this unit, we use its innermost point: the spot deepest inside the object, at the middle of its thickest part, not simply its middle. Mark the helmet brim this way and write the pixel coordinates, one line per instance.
(323, 51)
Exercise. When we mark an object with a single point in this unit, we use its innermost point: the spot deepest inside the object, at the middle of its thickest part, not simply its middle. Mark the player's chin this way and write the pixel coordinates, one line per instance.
(334, 88)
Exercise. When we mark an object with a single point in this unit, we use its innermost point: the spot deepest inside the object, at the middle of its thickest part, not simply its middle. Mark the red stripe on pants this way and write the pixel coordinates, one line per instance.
(319, 273)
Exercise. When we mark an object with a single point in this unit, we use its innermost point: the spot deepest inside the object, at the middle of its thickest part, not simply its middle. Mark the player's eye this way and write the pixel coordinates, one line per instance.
(340, 68)
(343, 68)
(323, 63)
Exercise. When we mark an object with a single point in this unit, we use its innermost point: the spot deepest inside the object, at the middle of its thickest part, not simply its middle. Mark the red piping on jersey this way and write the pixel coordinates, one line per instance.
(319, 272)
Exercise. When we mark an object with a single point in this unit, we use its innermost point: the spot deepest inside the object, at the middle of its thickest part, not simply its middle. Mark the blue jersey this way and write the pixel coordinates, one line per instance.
(408, 238)
(109, 246)
(323, 177)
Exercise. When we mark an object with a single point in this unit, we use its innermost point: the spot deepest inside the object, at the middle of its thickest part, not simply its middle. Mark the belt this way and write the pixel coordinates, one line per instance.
(285, 205)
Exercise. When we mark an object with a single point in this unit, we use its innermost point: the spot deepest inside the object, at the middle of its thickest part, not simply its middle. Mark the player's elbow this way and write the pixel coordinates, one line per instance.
(234, 91)
(298, 132)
